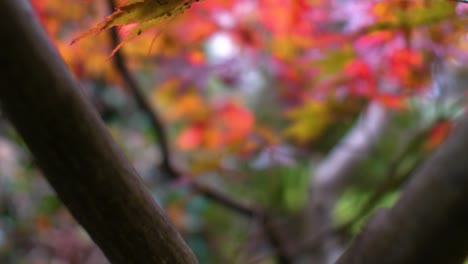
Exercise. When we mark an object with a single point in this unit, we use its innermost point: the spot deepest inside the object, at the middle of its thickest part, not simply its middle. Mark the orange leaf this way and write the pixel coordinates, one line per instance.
(235, 121)
(392, 101)
(196, 57)
(191, 137)
(404, 64)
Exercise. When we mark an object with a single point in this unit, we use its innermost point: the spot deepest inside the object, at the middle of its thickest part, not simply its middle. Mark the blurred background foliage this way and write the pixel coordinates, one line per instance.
(253, 95)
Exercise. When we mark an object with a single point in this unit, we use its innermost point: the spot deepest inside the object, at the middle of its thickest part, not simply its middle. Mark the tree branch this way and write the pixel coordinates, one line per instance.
(168, 168)
(120, 63)
(71, 145)
(333, 175)
(429, 223)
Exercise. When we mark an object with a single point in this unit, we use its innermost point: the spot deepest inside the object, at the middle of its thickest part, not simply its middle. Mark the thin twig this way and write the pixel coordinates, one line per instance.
(120, 63)
(167, 167)
(276, 239)
(158, 128)
(223, 200)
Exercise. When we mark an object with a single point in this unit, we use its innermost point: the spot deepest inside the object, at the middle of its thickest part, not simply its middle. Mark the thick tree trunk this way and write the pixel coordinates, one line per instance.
(429, 223)
(71, 145)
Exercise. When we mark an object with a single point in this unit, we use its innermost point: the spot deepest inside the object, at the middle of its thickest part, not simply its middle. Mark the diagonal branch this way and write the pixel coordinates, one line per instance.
(74, 150)
(334, 174)
(429, 223)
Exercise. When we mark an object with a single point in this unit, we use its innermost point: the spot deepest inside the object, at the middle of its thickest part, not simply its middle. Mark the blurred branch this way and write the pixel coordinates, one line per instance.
(168, 168)
(276, 239)
(223, 200)
(429, 223)
(334, 173)
(338, 168)
(392, 179)
(391, 182)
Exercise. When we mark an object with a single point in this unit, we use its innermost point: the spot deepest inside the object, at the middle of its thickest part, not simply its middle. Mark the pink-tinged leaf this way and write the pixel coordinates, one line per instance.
(358, 69)
(361, 80)
(373, 40)
(191, 137)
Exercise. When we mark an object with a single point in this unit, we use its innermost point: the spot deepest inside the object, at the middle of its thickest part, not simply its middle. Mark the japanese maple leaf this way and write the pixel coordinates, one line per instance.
(142, 14)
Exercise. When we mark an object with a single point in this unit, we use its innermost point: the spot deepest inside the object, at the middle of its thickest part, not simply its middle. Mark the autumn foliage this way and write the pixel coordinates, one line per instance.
(235, 79)
(325, 60)
(316, 49)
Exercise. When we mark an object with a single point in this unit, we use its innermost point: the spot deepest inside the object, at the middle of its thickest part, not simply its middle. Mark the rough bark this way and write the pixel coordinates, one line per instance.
(429, 223)
(71, 145)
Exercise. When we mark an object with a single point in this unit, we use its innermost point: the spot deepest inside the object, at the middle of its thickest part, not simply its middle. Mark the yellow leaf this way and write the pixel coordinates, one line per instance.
(308, 121)
(144, 14)
(335, 61)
